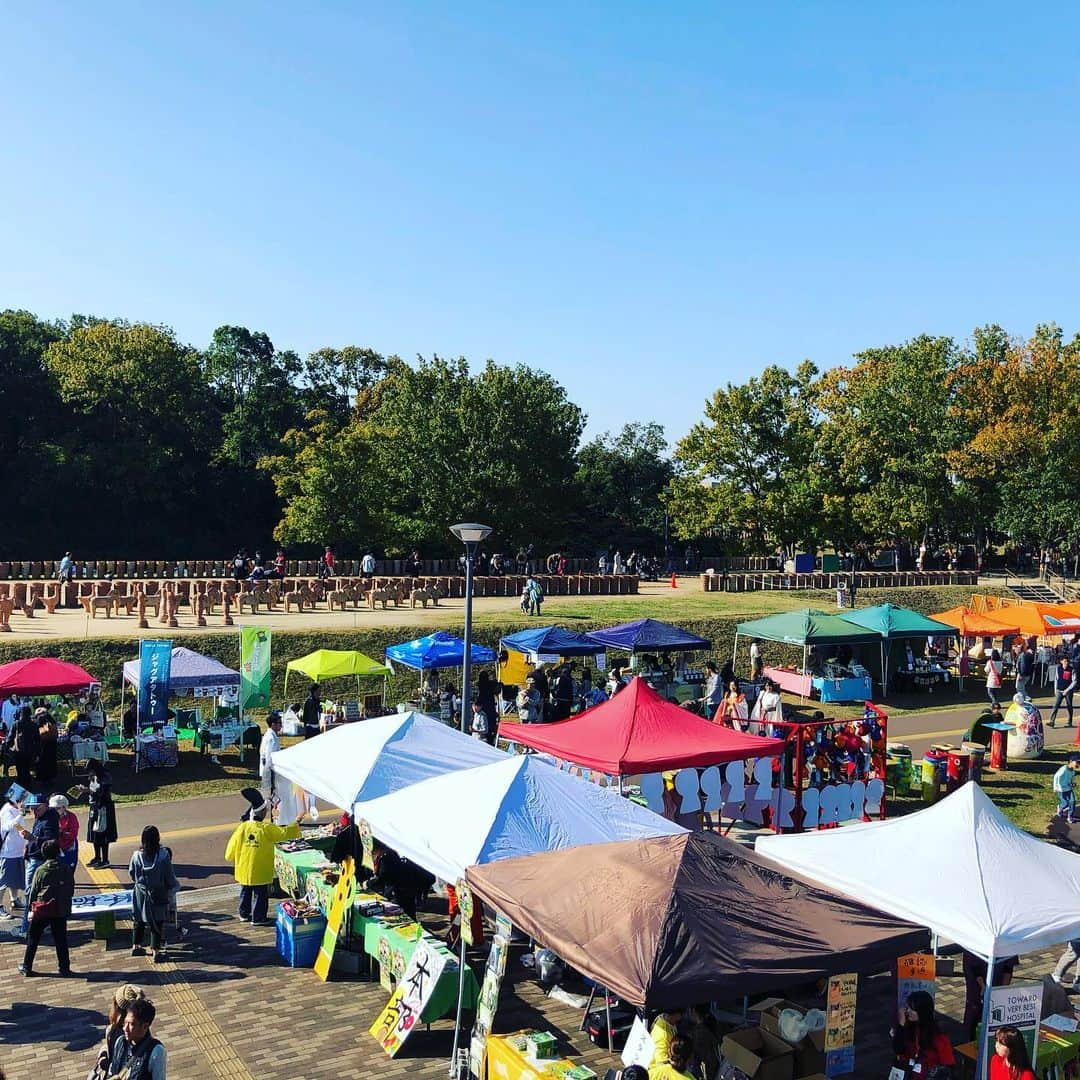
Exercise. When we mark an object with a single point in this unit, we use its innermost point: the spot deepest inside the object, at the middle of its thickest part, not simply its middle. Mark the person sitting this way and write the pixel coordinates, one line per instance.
(704, 1040)
(677, 1066)
(398, 879)
(663, 1031)
(918, 1041)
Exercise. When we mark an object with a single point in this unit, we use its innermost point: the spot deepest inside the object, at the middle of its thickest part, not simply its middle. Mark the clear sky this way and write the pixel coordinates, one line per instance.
(646, 200)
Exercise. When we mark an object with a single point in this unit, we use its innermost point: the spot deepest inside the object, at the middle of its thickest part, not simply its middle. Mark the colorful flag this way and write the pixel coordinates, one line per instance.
(254, 668)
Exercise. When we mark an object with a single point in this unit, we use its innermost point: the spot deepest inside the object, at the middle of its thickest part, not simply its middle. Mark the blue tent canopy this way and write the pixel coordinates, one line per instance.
(648, 634)
(438, 650)
(190, 671)
(553, 640)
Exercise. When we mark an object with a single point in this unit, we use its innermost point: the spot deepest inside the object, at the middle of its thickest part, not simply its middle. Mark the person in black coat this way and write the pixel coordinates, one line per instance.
(309, 716)
(101, 819)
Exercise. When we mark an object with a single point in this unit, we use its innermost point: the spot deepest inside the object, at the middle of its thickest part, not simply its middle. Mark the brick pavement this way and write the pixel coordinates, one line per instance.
(229, 1008)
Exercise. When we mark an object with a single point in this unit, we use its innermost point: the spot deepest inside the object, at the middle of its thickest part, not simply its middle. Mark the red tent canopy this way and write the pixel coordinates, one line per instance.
(637, 731)
(43, 675)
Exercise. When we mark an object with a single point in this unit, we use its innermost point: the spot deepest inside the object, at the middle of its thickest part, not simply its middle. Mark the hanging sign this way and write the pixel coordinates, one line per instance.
(466, 907)
(155, 659)
(367, 843)
(340, 904)
(489, 991)
(402, 1013)
(254, 668)
(840, 1025)
(640, 1048)
(916, 971)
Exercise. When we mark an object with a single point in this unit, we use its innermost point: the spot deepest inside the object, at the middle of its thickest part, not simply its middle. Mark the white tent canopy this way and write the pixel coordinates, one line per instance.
(960, 867)
(517, 806)
(372, 758)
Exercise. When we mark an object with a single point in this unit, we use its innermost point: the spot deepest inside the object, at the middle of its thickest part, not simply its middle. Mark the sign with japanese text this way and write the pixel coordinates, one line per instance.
(840, 1025)
(916, 971)
(402, 1013)
(155, 661)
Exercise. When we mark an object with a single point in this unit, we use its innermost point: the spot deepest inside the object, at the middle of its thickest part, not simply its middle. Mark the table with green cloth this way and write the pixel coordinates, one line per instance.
(392, 946)
(294, 869)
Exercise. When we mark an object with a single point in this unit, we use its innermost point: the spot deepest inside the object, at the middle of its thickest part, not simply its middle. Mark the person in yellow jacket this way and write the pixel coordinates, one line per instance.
(251, 851)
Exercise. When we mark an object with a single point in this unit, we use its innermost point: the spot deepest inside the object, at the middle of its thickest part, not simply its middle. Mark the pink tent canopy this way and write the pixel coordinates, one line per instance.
(43, 675)
(637, 731)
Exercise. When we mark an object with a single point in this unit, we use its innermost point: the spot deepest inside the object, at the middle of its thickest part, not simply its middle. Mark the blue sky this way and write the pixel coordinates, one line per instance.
(645, 200)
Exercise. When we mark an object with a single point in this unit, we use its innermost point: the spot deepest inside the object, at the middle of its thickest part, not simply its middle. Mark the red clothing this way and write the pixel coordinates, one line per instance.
(999, 1070)
(69, 830)
(939, 1052)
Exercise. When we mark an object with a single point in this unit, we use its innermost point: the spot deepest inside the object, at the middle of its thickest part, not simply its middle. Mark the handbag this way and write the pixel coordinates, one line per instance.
(42, 909)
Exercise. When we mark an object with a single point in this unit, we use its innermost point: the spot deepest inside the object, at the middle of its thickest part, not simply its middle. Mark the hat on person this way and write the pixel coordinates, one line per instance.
(41, 711)
(33, 800)
(257, 802)
(127, 993)
(59, 802)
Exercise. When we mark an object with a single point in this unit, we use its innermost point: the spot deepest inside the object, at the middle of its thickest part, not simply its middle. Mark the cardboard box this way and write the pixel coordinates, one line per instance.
(758, 1054)
(809, 1057)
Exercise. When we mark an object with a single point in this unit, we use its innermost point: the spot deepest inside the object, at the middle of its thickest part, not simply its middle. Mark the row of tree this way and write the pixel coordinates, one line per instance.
(121, 441)
(925, 442)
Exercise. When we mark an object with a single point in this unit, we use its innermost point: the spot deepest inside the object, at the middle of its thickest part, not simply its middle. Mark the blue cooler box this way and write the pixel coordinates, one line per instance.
(298, 940)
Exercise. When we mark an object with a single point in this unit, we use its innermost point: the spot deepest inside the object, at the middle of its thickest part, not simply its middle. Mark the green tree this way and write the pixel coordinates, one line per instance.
(338, 380)
(885, 436)
(619, 483)
(136, 454)
(743, 472)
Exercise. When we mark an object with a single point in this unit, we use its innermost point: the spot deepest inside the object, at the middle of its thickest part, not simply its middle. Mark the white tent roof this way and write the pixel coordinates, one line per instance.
(517, 806)
(960, 867)
(371, 758)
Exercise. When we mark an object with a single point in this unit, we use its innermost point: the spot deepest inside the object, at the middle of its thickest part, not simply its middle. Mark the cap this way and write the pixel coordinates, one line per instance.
(33, 800)
(59, 802)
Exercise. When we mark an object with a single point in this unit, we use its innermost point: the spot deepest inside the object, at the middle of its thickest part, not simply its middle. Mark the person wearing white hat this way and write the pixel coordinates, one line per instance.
(251, 851)
(69, 830)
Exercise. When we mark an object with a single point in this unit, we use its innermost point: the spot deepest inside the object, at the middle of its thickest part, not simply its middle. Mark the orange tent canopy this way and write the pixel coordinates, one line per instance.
(973, 624)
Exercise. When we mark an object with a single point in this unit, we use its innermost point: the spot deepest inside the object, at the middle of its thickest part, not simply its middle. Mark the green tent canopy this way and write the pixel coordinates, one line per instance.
(806, 626)
(898, 622)
(325, 664)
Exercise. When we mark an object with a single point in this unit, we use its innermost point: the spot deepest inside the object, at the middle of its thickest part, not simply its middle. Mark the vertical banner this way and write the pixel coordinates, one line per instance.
(1018, 1005)
(155, 659)
(840, 1025)
(403, 1010)
(254, 668)
(340, 909)
(489, 991)
(916, 971)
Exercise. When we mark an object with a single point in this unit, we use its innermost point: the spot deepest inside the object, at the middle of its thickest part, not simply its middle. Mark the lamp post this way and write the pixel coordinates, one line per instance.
(471, 535)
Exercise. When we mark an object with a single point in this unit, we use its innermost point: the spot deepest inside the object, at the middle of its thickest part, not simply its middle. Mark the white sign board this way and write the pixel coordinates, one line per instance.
(639, 1048)
(90, 905)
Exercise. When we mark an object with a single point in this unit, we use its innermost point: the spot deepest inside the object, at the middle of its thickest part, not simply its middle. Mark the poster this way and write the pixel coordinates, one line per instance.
(406, 1004)
(639, 1048)
(1018, 1005)
(465, 911)
(340, 903)
(367, 843)
(254, 668)
(916, 971)
(489, 990)
(155, 660)
(840, 1025)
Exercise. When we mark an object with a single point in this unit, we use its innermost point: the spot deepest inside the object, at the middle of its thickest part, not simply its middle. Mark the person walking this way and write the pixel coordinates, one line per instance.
(714, 690)
(367, 566)
(66, 570)
(69, 830)
(114, 1027)
(46, 827)
(24, 742)
(270, 745)
(49, 900)
(532, 596)
(1064, 688)
(12, 857)
(251, 851)
(311, 712)
(138, 1055)
(993, 670)
(153, 879)
(101, 817)
(1025, 668)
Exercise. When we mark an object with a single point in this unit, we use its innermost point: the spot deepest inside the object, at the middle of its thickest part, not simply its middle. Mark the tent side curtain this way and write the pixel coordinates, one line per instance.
(806, 626)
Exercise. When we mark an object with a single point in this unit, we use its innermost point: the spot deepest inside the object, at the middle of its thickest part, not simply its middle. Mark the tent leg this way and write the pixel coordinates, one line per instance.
(746, 1008)
(457, 1017)
(982, 1068)
(588, 1007)
(607, 1010)
(934, 942)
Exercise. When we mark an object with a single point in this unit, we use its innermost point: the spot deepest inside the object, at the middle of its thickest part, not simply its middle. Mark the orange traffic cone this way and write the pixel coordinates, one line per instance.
(674, 583)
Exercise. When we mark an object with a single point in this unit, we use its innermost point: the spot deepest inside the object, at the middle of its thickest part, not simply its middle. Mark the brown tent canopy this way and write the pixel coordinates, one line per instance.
(676, 919)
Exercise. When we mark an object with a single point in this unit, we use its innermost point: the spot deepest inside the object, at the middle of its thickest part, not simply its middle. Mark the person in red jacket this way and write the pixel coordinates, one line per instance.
(1010, 1060)
(69, 831)
(918, 1042)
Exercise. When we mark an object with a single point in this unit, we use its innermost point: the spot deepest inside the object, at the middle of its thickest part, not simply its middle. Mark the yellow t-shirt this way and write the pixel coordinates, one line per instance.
(251, 849)
(662, 1033)
(668, 1072)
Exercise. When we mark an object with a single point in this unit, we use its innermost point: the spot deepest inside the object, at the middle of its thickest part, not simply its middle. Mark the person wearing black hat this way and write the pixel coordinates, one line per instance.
(251, 851)
(269, 746)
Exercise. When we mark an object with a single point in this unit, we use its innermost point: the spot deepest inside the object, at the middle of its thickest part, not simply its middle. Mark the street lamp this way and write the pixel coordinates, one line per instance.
(471, 535)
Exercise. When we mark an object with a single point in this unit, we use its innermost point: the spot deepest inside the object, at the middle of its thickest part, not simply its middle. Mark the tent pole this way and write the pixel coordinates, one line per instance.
(460, 1000)
(607, 1010)
(588, 1006)
(735, 653)
(982, 1068)
(884, 673)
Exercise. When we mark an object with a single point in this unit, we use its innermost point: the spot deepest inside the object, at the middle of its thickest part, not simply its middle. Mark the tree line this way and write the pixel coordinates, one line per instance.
(123, 441)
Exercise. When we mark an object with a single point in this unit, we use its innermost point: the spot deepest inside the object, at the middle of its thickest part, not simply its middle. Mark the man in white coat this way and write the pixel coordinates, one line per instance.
(269, 746)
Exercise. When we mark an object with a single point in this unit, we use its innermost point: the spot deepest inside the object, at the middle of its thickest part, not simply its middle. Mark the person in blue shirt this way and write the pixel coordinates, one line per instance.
(1064, 779)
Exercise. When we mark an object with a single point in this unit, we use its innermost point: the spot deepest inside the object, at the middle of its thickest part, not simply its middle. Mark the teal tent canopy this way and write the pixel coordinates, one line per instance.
(898, 622)
(807, 626)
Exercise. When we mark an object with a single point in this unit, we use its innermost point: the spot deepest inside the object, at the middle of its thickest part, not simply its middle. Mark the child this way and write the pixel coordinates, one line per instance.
(479, 721)
(1064, 779)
